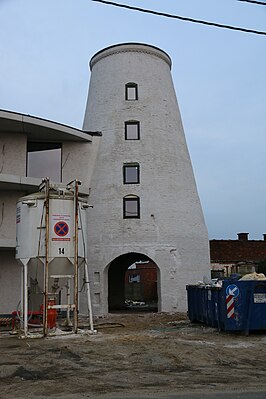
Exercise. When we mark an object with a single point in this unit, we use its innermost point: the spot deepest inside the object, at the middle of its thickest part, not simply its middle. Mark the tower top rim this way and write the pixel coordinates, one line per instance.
(130, 47)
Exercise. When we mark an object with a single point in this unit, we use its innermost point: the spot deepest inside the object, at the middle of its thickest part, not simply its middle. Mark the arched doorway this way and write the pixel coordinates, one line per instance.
(133, 283)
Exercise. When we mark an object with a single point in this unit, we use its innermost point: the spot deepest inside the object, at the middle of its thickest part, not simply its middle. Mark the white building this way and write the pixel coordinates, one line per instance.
(23, 138)
(143, 190)
(139, 176)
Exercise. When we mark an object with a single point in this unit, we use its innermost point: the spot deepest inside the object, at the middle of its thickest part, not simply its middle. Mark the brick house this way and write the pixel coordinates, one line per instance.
(141, 282)
(237, 256)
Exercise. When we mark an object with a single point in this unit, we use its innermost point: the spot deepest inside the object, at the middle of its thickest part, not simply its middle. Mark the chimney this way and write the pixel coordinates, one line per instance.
(244, 236)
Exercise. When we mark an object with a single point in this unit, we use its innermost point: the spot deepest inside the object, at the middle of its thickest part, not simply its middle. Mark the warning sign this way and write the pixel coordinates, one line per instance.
(18, 214)
(61, 228)
(232, 290)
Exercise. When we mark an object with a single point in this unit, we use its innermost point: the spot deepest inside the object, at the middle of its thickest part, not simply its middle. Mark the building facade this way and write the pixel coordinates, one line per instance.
(138, 175)
(237, 256)
(27, 144)
(146, 205)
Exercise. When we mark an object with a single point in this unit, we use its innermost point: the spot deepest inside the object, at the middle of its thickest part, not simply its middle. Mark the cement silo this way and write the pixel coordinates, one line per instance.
(51, 246)
(146, 205)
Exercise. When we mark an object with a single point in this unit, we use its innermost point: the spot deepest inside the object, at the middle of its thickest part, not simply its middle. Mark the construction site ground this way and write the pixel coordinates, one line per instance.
(133, 354)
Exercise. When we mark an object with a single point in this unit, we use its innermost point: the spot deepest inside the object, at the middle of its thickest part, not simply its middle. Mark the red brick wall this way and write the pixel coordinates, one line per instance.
(148, 279)
(237, 250)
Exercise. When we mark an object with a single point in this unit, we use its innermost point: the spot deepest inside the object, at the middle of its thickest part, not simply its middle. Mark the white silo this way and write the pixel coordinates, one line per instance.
(146, 205)
(51, 227)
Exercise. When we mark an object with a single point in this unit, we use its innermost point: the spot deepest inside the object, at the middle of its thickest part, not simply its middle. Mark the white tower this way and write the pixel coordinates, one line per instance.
(146, 205)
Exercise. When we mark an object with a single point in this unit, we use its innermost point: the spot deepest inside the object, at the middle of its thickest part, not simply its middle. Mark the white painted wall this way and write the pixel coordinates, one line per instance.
(13, 149)
(9, 281)
(171, 229)
(78, 160)
(8, 215)
(13, 153)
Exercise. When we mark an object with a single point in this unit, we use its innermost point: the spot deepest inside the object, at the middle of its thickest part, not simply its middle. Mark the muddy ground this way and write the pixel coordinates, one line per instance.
(137, 354)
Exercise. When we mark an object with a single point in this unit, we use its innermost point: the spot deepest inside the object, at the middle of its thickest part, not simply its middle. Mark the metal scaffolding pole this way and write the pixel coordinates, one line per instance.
(46, 262)
(76, 182)
(25, 302)
(89, 296)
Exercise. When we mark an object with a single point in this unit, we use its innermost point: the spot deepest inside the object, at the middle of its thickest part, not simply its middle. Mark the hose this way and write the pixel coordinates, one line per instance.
(29, 317)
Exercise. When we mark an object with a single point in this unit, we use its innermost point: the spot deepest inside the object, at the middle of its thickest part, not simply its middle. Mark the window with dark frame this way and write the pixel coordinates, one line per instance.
(131, 173)
(131, 207)
(44, 159)
(132, 130)
(131, 91)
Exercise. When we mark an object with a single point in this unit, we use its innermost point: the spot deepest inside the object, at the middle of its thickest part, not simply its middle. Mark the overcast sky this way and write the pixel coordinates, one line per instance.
(219, 77)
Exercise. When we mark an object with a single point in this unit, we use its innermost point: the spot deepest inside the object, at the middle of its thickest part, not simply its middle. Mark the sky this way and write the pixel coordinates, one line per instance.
(218, 74)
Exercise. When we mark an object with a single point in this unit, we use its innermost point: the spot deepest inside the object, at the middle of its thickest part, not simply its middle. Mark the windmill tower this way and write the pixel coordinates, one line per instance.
(146, 206)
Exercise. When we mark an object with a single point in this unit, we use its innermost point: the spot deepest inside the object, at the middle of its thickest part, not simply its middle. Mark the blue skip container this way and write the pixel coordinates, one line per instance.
(236, 306)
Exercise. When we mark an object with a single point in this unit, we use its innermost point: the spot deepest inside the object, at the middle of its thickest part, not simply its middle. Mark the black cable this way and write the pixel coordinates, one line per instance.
(197, 21)
(261, 3)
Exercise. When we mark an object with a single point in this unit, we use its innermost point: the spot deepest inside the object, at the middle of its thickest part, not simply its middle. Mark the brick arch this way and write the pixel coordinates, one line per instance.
(117, 270)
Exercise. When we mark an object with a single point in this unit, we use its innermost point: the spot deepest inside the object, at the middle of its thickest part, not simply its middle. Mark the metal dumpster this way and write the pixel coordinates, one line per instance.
(236, 306)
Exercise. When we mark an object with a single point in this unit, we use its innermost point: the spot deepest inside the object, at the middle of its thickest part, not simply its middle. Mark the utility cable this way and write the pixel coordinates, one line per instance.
(261, 3)
(197, 21)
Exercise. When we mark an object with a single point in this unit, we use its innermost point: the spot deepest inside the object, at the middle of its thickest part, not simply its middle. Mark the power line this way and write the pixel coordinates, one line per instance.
(197, 21)
(254, 2)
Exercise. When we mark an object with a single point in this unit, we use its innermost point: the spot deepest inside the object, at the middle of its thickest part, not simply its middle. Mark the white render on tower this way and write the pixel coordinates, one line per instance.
(143, 188)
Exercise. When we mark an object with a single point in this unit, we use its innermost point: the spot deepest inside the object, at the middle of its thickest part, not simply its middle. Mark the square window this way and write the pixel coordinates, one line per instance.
(44, 159)
(134, 278)
(131, 208)
(131, 91)
(132, 130)
(131, 174)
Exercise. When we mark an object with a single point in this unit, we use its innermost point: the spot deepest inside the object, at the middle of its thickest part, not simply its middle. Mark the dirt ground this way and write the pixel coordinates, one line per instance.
(137, 354)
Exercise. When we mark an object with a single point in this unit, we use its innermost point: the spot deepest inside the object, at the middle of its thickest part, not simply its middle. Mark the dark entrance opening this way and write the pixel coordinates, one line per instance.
(133, 283)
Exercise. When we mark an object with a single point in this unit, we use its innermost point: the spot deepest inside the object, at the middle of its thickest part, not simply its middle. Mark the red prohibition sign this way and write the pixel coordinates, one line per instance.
(61, 229)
